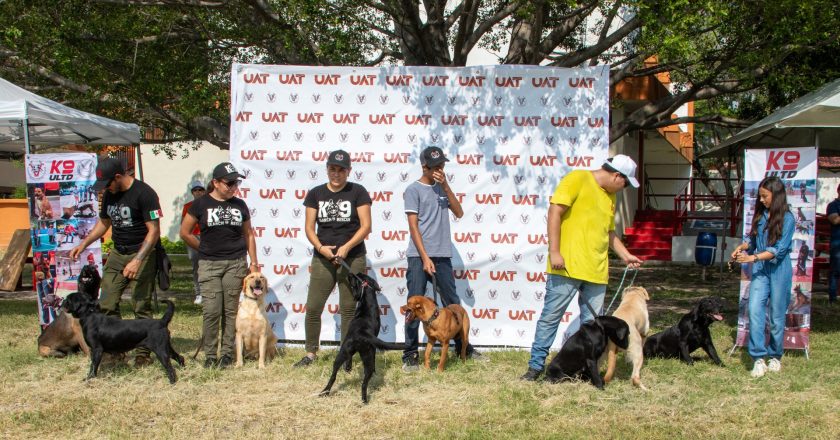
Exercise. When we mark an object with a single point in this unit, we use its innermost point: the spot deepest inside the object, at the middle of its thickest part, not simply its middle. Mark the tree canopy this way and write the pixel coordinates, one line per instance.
(165, 63)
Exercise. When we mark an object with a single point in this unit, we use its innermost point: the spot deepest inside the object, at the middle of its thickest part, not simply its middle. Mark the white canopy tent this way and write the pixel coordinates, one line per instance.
(28, 119)
(812, 120)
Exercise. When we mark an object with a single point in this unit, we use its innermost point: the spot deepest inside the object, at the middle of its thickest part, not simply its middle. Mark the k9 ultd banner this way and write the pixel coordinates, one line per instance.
(510, 132)
(62, 211)
(797, 167)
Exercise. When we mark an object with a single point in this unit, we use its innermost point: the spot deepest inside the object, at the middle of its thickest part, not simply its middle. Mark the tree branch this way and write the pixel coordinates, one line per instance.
(575, 58)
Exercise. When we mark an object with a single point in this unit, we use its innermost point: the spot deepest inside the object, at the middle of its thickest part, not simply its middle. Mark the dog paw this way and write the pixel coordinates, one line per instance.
(324, 393)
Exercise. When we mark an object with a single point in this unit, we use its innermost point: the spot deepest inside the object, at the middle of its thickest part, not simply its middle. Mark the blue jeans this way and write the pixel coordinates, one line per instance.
(416, 280)
(770, 287)
(559, 291)
(834, 273)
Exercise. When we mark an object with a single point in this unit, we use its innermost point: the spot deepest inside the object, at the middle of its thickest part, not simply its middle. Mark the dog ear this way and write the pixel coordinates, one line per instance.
(617, 330)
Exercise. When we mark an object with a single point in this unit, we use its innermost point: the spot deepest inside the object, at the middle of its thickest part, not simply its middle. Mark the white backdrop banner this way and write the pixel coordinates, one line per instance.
(797, 167)
(511, 133)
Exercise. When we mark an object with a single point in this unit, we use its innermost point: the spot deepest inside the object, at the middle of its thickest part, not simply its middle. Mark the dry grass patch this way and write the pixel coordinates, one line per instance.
(46, 398)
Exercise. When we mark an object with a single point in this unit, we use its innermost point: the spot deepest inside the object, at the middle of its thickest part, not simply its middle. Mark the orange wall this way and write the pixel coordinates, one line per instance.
(15, 215)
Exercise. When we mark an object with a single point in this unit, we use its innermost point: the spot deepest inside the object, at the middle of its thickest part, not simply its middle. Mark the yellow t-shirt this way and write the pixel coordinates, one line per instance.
(585, 227)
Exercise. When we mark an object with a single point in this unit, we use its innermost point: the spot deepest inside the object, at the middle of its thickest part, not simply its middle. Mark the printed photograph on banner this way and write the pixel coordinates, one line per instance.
(802, 254)
(67, 271)
(43, 234)
(800, 301)
(801, 192)
(44, 278)
(78, 200)
(44, 201)
(69, 233)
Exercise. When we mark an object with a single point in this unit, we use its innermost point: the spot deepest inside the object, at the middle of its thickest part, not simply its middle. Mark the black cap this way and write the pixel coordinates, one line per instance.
(106, 169)
(340, 158)
(226, 171)
(432, 157)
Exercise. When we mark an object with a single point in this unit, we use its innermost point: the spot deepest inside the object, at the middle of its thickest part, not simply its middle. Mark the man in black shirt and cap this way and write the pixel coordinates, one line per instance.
(131, 208)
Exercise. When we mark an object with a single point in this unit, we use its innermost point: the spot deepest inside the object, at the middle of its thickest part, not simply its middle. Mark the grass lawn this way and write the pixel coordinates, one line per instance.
(46, 398)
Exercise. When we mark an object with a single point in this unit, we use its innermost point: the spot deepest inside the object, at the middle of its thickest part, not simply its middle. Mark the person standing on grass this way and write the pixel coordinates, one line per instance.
(341, 212)
(132, 209)
(833, 213)
(197, 190)
(581, 228)
(428, 202)
(768, 248)
(226, 237)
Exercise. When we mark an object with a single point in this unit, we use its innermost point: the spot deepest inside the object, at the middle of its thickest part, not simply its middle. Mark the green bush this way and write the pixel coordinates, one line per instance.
(172, 247)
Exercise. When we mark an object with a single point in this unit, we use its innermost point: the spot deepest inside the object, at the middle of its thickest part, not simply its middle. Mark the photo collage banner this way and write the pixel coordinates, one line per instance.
(63, 209)
(797, 167)
(511, 133)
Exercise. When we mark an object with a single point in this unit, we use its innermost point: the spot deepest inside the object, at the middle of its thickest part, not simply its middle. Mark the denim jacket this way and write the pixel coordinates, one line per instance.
(780, 249)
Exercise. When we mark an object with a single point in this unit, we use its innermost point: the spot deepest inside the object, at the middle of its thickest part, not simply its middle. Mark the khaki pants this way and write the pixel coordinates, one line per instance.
(142, 287)
(220, 283)
(114, 283)
(324, 277)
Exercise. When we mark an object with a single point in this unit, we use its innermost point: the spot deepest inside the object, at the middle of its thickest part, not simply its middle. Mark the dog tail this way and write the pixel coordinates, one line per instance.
(382, 345)
(170, 311)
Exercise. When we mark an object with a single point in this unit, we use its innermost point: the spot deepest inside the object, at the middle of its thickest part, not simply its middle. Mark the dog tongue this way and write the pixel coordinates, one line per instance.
(717, 317)
(257, 292)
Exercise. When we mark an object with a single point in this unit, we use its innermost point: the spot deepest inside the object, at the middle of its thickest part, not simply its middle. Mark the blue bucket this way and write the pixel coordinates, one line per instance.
(705, 249)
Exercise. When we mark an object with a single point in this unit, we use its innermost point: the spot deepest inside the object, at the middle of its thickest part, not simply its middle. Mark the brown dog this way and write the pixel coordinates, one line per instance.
(632, 310)
(254, 336)
(440, 324)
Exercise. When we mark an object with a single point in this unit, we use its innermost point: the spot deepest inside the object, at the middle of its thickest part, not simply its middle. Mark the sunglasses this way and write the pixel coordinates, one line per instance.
(232, 183)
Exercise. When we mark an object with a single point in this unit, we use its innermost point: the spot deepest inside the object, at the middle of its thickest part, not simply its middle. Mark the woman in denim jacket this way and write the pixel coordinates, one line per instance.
(768, 247)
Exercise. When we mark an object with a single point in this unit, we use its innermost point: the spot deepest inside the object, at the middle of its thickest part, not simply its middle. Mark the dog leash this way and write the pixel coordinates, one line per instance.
(619, 290)
(349, 270)
(435, 290)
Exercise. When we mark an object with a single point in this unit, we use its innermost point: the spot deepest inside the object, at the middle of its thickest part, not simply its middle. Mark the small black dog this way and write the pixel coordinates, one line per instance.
(580, 354)
(108, 334)
(691, 333)
(89, 281)
(362, 334)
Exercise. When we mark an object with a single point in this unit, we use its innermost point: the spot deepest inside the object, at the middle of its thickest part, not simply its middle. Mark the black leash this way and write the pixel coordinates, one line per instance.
(435, 290)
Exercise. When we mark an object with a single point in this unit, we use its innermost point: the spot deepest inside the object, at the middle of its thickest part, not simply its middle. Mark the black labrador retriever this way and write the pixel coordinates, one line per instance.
(580, 354)
(691, 333)
(109, 334)
(362, 334)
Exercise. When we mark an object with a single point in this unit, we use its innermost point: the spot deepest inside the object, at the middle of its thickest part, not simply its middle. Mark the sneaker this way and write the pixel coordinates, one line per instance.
(759, 368)
(209, 363)
(197, 299)
(531, 375)
(774, 366)
(478, 357)
(411, 365)
(142, 360)
(225, 361)
(304, 362)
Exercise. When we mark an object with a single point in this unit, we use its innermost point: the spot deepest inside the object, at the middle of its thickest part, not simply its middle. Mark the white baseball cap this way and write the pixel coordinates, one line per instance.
(624, 165)
(196, 184)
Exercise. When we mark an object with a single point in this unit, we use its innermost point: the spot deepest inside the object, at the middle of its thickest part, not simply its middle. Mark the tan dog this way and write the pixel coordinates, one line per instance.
(254, 336)
(632, 310)
(440, 324)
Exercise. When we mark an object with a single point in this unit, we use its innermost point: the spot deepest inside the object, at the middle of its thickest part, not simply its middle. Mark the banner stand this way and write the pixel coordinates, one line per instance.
(797, 168)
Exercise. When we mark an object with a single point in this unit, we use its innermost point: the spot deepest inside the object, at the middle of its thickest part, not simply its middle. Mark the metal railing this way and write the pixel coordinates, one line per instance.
(686, 202)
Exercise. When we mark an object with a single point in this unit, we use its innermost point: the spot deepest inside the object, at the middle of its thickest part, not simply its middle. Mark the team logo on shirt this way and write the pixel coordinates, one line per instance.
(120, 215)
(224, 216)
(334, 210)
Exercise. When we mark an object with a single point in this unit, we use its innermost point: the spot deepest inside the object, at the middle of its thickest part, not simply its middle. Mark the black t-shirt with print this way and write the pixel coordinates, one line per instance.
(222, 234)
(129, 211)
(338, 216)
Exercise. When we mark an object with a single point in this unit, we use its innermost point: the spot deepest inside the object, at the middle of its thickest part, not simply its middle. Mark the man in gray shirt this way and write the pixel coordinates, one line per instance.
(427, 205)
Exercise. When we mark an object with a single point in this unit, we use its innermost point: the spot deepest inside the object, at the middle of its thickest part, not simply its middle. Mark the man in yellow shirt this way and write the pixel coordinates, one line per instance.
(581, 228)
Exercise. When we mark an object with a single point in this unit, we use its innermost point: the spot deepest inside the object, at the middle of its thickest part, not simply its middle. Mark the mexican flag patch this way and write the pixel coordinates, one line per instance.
(156, 214)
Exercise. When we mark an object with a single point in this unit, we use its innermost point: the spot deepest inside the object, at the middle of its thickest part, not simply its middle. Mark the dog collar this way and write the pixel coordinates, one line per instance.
(433, 317)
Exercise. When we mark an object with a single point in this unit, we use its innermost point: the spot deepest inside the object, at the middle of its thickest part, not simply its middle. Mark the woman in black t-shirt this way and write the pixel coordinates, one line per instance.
(226, 236)
(341, 211)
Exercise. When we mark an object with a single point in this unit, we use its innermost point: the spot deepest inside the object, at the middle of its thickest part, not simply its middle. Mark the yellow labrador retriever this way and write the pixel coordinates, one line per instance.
(632, 310)
(254, 336)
